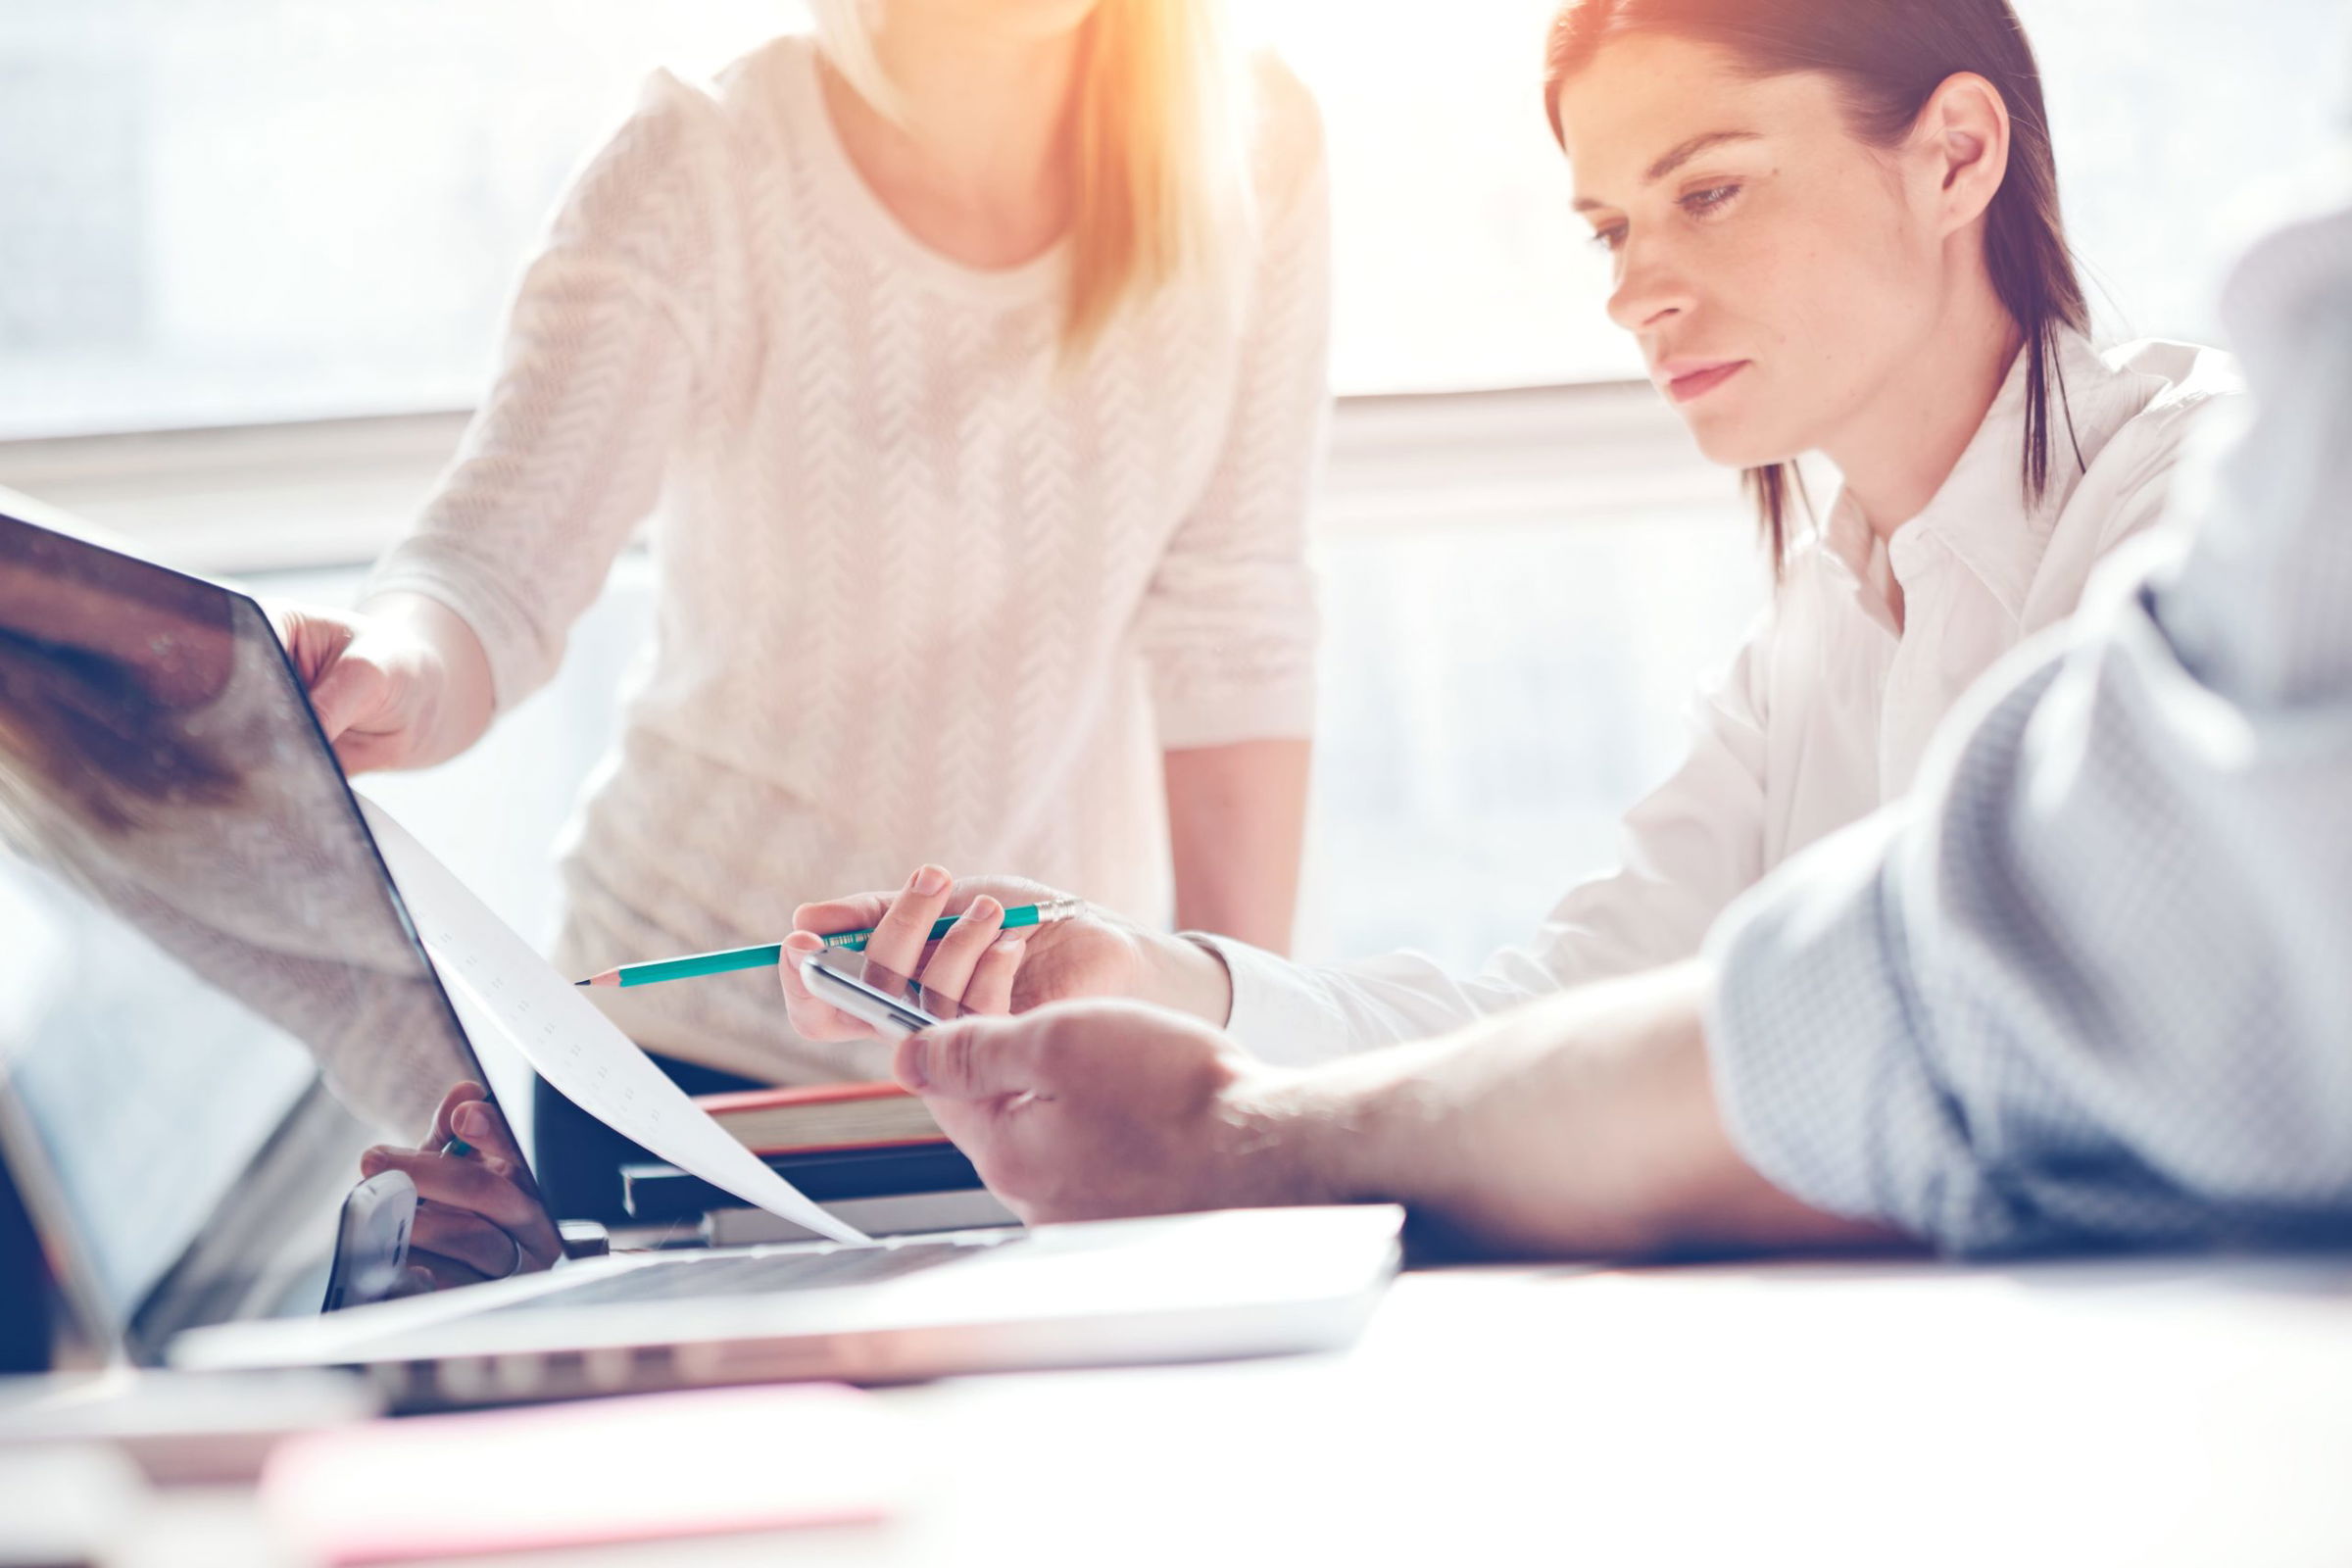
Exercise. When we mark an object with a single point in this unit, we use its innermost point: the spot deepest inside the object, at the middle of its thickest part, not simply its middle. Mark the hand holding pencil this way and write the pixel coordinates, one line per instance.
(727, 960)
(981, 960)
(993, 944)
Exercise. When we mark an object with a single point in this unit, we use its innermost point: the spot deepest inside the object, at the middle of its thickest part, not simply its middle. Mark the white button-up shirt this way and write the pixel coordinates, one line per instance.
(1822, 716)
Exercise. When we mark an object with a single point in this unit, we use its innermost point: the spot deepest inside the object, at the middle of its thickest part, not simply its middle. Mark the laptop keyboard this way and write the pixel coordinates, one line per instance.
(688, 1277)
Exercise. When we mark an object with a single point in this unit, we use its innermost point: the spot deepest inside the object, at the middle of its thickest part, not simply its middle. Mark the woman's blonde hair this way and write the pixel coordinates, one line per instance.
(1162, 139)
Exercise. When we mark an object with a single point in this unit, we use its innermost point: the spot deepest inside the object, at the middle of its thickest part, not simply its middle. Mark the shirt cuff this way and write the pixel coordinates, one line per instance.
(1820, 1067)
(1190, 717)
(510, 642)
(1281, 1013)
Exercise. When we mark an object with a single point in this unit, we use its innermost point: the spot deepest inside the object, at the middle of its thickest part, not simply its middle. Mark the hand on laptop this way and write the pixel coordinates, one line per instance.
(1093, 954)
(479, 1217)
(403, 684)
(1105, 1108)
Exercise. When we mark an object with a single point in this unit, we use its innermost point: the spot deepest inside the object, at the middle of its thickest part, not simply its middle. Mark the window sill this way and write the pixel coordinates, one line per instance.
(336, 492)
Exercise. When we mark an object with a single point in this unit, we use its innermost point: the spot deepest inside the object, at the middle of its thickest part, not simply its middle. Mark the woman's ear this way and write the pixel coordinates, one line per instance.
(1962, 141)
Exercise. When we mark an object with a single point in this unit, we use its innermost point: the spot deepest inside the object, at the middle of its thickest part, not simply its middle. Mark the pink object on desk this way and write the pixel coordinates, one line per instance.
(650, 1468)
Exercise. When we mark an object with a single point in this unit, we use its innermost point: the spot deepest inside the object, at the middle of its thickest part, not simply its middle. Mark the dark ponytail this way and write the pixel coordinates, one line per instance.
(1890, 56)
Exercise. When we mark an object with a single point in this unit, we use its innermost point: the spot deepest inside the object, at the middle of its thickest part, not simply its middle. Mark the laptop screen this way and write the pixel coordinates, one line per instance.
(211, 999)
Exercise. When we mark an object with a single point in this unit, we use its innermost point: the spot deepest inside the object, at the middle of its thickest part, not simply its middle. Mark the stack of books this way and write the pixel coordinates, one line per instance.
(869, 1152)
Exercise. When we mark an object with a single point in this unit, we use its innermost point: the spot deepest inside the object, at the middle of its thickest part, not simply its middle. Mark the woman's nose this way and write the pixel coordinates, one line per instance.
(1650, 291)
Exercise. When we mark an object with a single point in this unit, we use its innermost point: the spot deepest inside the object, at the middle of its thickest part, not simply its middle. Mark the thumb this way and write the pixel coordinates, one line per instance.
(350, 689)
(486, 1129)
(313, 640)
(972, 1059)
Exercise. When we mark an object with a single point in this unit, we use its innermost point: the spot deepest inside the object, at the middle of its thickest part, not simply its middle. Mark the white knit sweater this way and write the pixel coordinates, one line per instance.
(924, 595)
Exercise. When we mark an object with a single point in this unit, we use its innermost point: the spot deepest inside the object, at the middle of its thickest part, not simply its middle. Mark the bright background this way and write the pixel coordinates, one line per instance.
(224, 212)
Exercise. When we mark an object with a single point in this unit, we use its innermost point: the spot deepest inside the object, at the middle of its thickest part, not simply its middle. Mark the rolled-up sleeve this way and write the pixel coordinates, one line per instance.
(1229, 627)
(1813, 992)
(2089, 986)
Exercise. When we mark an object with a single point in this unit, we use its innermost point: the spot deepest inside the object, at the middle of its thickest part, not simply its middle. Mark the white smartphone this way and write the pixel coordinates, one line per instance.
(372, 1240)
(894, 1004)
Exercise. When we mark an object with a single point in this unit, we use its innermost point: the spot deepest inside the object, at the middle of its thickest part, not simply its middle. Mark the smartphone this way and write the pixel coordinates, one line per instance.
(372, 1240)
(861, 988)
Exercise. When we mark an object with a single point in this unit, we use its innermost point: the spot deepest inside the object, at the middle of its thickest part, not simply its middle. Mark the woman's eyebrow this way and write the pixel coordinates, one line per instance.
(1690, 149)
(1682, 154)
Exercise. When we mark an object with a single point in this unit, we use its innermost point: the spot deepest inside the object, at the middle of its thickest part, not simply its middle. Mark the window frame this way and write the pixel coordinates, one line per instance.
(337, 492)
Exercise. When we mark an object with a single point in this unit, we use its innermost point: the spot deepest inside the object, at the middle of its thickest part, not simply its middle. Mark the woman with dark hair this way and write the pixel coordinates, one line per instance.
(1958, 86)
(1834, 228)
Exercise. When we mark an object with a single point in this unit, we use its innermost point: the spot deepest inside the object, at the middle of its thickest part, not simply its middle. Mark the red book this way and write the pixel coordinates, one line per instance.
(822, 1116)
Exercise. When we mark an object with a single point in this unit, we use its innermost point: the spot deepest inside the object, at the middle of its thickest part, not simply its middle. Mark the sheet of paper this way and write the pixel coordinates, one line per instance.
(495, 977)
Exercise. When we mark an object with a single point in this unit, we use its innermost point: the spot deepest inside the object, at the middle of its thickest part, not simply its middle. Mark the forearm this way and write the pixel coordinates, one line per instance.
(463, 700)
(1583, 1124)
(1237, 828)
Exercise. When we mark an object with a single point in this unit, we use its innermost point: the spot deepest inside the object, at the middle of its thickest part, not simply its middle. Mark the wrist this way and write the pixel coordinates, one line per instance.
(1321, 1136)
(431, 653)
(1186, 974)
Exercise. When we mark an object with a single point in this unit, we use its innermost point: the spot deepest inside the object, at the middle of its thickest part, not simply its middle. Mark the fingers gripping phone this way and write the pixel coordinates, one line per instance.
(894, 1004)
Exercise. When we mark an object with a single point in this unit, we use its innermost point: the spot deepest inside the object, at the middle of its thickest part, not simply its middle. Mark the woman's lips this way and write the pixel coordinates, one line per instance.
(1685, 383)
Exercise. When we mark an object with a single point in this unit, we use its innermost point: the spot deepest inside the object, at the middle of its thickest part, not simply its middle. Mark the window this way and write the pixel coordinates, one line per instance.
(239, 211)
(219, 211)
(1460, 265)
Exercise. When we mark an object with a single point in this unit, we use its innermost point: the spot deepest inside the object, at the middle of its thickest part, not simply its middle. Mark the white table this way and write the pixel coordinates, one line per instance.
(2140, 1413)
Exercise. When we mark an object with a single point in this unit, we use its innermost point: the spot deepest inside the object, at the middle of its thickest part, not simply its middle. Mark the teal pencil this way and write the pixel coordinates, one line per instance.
(765, 955)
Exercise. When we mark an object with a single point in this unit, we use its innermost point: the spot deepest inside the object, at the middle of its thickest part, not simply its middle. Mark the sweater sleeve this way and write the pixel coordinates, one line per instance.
(1228, 626)
(566, 456)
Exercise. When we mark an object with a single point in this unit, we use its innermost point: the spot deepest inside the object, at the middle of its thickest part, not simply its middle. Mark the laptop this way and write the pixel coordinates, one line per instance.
(212, 999)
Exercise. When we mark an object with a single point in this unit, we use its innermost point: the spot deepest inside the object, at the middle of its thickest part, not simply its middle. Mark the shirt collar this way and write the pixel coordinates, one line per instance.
(1982, 513)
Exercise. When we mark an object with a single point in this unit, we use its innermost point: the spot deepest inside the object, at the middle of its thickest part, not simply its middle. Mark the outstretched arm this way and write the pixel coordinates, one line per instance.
(1584, 1124)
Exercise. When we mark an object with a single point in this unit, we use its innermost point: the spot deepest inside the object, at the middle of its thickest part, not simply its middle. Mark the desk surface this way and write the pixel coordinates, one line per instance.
(2143, 1412)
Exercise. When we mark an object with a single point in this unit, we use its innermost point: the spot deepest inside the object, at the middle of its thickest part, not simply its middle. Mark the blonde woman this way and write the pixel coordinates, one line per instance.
(974, 352)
